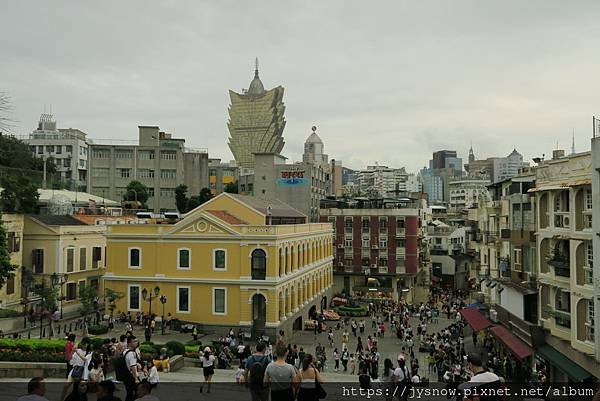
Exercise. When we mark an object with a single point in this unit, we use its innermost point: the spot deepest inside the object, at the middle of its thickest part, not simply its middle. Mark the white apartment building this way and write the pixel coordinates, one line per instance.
(382, 180)
(68, 147)
(466, 192)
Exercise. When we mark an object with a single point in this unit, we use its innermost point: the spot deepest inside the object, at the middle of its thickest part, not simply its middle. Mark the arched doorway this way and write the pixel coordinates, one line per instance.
(259, 314)
(297, 324)
(312, 312)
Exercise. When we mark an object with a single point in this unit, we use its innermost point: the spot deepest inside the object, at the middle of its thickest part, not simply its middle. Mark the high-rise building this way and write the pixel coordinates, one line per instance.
(446, 159)
(497, 168)
(256, 122)
(68, 147)
(158, 161)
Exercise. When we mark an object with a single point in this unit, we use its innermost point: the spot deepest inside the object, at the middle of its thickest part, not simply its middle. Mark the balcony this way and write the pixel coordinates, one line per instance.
(561, 265)
(562, 318)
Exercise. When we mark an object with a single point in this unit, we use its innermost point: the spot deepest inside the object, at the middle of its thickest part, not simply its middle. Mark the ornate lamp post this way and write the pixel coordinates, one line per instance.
(60, 280)
(149, 296)
(163, 301)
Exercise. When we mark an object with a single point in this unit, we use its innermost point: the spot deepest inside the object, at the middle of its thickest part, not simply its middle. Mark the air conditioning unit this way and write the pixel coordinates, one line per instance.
(494, 315)
(340, 246)
(374, 247)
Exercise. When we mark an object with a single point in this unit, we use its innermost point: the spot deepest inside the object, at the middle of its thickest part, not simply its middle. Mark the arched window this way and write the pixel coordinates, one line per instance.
(259, 265)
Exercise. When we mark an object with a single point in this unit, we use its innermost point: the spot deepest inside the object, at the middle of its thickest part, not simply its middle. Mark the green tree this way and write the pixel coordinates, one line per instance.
(181, 199)
(112, 297)
(205, 195)
(5, 108)
(6, 267)
(231, 188)
(19, 195)
(47, 304)
(88, 297)
(136, 191)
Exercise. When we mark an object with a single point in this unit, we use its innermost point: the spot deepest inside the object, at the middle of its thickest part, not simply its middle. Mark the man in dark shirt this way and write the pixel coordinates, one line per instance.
(106, 390)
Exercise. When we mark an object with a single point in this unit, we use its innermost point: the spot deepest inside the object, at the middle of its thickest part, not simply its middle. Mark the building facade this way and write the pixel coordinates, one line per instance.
(221, 174)
(11, 291)
(67, 248)
(376, 246)
(232, 262)
(256, 122)
(565, 258)
(465, 192)
(158, 161)
(68, 147)
(300, 185)
(382, 181)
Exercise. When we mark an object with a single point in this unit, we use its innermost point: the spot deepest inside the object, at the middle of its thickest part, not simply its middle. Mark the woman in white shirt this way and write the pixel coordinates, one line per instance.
(208, 368)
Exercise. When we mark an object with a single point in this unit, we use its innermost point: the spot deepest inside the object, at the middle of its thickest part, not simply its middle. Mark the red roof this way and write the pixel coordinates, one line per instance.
(475, 319)
(226, 217)
(516, 346)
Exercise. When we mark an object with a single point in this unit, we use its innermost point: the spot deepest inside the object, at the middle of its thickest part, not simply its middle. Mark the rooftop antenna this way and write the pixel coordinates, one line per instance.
(573, 142)
(256, 67)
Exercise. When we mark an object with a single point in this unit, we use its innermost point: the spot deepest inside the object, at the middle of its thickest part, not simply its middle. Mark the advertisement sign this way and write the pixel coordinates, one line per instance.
(292, 178)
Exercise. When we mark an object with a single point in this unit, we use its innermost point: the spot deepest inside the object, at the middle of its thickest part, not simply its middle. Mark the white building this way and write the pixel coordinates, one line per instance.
(596, 238)
(507, 167)
(466, 192)
(382, 180)
(68, 147)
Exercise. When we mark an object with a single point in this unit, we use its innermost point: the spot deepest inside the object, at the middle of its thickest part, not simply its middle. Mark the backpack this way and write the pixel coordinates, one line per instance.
(122, 372)
(256, 372)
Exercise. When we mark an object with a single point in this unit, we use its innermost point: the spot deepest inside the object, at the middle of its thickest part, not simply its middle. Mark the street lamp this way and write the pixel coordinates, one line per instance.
(163, 301)
(60, 280)
(148, 296)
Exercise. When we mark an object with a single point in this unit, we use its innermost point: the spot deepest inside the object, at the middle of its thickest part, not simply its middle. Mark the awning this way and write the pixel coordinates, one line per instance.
(475, 319)
(516, 346)
(559, 361)
(562, 185)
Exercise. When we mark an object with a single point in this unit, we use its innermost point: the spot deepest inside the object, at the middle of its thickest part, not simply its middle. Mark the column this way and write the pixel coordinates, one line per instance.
(294, 299)
(288, 263)
(305, 292)
(281, 306)
(281, 266)
(288, 303)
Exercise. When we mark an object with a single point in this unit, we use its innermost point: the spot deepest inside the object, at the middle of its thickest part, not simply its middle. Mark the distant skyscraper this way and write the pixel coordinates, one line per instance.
(256, 121)
(313, 149)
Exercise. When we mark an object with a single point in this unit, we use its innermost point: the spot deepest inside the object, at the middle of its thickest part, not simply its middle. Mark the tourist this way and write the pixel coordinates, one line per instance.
(480, 377)
(208, 368)
(281, 376)
(309, 376)
(403, 379)
(79, 392)
(144, 392)
(121, 345)
(336, 360)
(352, 362)
(364, 379)
(388, 378)
(152, 374)
(36, 389)
(69, 349)
(345, 357)
(254, 373)
(105, 391)
(133, 367)
(96, 373)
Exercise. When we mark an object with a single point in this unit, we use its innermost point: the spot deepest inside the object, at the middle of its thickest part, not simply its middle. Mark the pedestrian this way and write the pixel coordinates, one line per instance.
(281, 376)
(336, 360)
(208, 368)
(69, 349)
(105, 391)
(359, 346)
(309, 376)
(79, 392)
(364, 379)
(36, 390)
(352, 362)
(388, 379)
(144, 392)
(254, 373)
(345, 357)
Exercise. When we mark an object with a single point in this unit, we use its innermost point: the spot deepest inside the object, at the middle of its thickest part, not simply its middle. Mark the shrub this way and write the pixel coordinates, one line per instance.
(98, 329)
(96, 342)
(194, 342)
(175, 347)
(9, 313)
(352, 310)
(32, 345)
(147, 349)
(147, 343)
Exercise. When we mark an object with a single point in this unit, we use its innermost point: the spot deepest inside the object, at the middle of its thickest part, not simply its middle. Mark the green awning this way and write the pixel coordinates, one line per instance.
(567, 366)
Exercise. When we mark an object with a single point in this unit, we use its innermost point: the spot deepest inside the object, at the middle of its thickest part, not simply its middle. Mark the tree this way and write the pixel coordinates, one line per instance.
(205, 195)
(88, 297)
(6, 267)
(231, 188)
(5, 108)
(136, 191)
(181, 199)
(47, 303)
(19, 195)
(112, 297)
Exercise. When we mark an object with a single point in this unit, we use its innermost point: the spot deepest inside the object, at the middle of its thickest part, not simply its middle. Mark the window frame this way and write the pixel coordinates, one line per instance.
(214, 312)
(131, 248)
(67, 290)
(189, 288)
(214, 260)
(129, 287)
(86, 258)
(179, 267)
(67, 249)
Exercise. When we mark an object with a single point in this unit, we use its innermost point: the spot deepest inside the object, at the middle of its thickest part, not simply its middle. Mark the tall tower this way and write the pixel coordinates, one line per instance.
(256, 121)
(471, 155)
(313, 149)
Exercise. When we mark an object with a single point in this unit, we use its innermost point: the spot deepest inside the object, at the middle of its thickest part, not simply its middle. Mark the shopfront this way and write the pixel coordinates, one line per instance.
(559, 368)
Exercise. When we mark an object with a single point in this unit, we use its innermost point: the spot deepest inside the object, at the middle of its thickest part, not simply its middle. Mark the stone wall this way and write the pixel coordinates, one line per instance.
(32, 369)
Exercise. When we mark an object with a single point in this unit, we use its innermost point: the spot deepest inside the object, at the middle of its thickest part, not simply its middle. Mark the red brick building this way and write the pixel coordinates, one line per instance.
(376, 246)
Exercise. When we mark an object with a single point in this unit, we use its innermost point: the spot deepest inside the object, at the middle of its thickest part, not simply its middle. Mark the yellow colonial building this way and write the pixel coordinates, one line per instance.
(10, 293)
(235, 261)
(64, 252)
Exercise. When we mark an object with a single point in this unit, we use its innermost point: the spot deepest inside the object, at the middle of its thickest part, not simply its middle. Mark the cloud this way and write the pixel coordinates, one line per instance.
(389, 82)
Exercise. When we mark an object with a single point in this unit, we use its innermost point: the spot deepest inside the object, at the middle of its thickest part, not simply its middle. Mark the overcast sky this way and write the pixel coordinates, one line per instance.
(385, 82)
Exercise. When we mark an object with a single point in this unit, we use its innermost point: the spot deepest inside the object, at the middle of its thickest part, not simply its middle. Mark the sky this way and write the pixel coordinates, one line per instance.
(385, 82)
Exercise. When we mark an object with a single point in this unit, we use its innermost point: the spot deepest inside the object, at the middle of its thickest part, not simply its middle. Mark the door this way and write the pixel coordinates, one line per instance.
(259, 314)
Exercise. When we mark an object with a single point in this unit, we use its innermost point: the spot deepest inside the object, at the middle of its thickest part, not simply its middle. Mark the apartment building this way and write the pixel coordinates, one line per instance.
(68, 147)
(377, 247)
(565, 257)
(235, 261)
(221, 174)
(466, 192)
(65, 252)
(159, 161)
